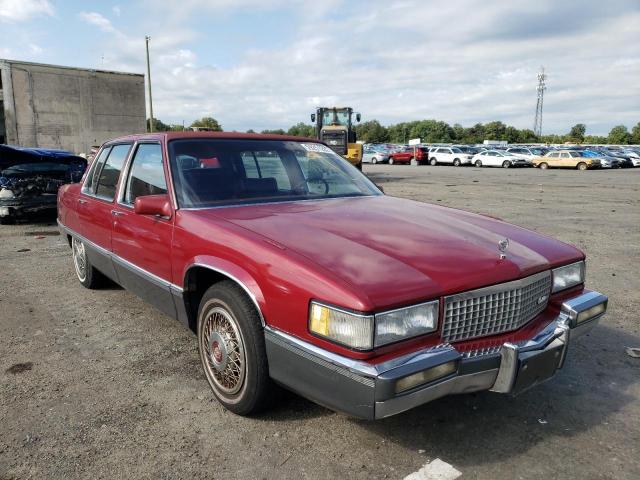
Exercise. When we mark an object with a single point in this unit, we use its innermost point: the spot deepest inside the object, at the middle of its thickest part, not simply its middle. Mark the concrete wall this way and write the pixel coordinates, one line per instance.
(68, 108)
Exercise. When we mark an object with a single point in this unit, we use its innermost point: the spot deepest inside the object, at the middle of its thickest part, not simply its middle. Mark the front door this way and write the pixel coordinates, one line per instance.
(142, 243)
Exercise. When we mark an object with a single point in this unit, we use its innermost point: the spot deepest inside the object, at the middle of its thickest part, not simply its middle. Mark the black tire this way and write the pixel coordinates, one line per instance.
(456, 162)
(581, 166)
(543, 166)
(87, 274)
(506, 164)
(390, 161)
(433, 162)
(230, 334)
(478, 163)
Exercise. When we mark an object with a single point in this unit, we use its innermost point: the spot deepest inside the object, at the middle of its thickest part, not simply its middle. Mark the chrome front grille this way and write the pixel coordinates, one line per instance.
(496, 309)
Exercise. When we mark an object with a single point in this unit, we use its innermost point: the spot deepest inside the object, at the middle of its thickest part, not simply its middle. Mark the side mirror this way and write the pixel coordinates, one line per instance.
(358, 117)
(313, 118)
(158, 205)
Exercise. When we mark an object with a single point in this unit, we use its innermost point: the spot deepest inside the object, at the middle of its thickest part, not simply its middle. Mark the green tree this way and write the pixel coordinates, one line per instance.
(278, 131)
(635, 134)
(158, 126)
(372, 132)
(619, 135)
(301, 129)
(495, 131)
(576, 134)
(208, 122)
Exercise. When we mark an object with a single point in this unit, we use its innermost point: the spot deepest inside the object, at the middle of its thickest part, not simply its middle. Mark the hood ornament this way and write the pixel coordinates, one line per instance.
(502, 247)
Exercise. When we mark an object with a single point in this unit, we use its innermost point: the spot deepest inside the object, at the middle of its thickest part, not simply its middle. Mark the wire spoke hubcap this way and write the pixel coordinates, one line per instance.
(224, 351)
(79, 258)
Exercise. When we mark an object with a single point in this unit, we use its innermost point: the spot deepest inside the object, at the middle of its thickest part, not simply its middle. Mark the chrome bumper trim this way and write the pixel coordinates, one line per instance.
(496, 370)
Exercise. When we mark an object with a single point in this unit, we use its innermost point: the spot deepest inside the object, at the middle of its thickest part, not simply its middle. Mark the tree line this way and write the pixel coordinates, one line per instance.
(436, 131)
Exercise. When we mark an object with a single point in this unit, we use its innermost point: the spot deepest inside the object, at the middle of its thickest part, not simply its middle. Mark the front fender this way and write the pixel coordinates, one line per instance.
(239, 275)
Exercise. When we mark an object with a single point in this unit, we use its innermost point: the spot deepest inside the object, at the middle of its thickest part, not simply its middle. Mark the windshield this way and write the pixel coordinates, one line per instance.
(342, 118)
(212, 172)
(456, 150)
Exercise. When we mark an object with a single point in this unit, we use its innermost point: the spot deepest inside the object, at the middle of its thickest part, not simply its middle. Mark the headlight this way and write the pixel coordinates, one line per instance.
(350, 329)
(568, 276)
(6, 194)
(405, 323)
(364, 332)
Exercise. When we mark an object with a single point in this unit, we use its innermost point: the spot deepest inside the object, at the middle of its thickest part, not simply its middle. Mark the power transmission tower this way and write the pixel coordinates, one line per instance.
(537, 123)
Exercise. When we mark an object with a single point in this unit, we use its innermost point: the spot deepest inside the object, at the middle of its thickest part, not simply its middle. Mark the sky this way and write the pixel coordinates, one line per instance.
(258, 64)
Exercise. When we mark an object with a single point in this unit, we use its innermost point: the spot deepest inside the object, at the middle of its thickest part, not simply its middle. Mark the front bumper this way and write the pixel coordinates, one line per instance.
(370, 390)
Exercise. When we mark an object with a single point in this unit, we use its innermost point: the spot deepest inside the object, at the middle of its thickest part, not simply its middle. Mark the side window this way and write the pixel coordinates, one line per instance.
(110, 173)
(146, 175)
(564, 155)
(91, 179)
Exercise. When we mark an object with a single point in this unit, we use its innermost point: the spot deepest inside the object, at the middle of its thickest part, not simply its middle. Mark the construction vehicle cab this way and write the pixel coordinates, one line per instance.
(334, 126)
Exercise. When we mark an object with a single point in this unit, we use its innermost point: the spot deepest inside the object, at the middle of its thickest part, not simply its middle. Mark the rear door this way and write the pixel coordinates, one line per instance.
(95, 204)
(142, 243)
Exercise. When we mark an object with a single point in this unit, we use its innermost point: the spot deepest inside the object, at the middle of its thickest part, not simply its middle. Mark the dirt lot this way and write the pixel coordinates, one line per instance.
(96, 384)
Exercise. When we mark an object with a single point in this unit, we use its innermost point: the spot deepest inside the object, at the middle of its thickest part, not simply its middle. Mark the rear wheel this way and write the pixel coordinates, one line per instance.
(478, 163)
(506, 164)
(543, 166)
(456, 162)
(232, 350)
(433, 162)
(582, 166)
(87, 274)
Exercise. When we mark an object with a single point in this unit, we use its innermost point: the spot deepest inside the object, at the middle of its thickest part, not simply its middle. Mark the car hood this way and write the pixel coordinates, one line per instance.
(393, 251)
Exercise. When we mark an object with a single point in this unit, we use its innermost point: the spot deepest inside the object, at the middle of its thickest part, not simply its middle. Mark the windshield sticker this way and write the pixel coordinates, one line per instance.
(316, 147)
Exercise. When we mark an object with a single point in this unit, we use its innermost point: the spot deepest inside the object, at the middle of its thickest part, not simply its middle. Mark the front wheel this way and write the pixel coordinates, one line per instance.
(582, 166)
(232, 350)
(433, 162)
(413, 162)
(506, 164)
(456, 162)
(391, 161)
(478, 163)
(374, 160)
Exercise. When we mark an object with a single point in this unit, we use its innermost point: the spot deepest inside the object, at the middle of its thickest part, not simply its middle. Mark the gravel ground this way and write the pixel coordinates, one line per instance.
(97, 384)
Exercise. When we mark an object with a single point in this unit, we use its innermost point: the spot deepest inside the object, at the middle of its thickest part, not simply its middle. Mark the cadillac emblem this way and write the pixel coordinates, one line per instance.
(502, 247)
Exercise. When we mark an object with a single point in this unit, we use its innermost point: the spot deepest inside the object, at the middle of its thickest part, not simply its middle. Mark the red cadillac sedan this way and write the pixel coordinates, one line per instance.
(292, 267)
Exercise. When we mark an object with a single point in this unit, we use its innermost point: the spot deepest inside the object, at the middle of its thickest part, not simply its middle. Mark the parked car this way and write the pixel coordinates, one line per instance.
(566, 159)
(449, 155)
(606, 161)
(292, 268)
(371, 154)
(30, 178)
(496, 158)
(527, 151)
(406, 155)
(626, 161)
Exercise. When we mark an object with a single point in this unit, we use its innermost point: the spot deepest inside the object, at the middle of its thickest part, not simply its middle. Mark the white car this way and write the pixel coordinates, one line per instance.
(449, 155)
(374, 155)
(498, 158)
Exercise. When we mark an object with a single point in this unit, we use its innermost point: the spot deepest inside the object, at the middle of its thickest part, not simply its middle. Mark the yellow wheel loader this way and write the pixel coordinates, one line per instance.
(334, 126)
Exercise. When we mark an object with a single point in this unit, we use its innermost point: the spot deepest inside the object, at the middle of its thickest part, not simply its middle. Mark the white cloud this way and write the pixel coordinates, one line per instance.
(21, 10)
(35, 49)
(462, 62)
(98, 20)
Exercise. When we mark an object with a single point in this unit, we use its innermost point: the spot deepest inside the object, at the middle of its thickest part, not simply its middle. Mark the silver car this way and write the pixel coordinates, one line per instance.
(371, 154)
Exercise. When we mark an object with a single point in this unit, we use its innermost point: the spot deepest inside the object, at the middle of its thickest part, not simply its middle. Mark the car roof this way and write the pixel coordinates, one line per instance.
(217, 135)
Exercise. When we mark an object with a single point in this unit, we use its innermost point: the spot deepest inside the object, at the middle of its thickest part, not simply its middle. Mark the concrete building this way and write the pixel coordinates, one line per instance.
(68, 108)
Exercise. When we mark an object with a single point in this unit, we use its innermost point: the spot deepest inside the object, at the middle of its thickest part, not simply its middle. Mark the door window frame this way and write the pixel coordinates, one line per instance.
(126, 170)
(93, 194)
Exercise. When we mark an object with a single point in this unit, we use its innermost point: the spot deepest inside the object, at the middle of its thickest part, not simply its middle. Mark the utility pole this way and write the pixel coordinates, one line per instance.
(147, 38)
(537, 123)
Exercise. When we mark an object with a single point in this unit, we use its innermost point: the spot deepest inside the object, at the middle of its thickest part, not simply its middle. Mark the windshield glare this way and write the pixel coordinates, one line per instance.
(212, 172)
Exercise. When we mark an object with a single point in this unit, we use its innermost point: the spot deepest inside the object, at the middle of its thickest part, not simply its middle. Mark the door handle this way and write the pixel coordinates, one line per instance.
(117, 213)
(82, 201)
